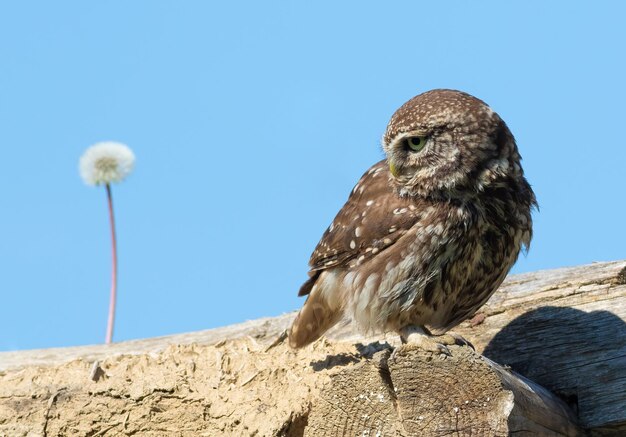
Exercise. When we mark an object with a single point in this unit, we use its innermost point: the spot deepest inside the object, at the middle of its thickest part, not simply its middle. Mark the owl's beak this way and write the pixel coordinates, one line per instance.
(393, 169)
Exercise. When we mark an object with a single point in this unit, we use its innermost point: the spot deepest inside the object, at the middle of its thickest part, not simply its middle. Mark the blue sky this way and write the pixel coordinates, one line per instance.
(251, 122)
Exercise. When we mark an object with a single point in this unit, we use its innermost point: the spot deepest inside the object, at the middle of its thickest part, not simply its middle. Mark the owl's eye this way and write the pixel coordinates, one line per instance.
(416, 143)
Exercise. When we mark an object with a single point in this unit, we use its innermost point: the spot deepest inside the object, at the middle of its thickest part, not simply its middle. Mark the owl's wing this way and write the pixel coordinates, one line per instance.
(373, 218)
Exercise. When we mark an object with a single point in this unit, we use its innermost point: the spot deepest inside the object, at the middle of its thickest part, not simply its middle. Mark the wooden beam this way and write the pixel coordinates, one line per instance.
(562, 329)
(418, 394)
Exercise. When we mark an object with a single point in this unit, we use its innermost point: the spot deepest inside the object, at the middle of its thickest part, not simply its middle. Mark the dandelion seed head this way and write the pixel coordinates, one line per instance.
(106, 162)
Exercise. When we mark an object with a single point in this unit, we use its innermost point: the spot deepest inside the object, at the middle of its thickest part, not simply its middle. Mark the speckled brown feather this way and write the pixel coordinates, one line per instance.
(353, 235)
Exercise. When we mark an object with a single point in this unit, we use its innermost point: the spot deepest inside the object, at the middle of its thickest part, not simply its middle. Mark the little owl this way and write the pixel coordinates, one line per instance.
(429, 233)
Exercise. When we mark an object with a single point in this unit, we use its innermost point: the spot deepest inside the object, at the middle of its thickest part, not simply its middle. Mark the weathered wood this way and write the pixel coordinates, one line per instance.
(241, 388)
(599, 286)
(232, 389)
(563, 329)
(416, 393)
(567, 334)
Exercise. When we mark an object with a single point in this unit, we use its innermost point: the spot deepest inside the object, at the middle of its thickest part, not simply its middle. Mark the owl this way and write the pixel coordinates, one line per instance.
(429, 233)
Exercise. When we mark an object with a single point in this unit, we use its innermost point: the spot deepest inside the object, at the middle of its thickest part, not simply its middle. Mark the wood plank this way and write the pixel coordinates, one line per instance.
(563, 329)
(414, 393)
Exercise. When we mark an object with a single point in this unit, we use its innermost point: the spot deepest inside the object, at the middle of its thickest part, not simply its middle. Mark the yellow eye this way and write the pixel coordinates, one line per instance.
(416, 143)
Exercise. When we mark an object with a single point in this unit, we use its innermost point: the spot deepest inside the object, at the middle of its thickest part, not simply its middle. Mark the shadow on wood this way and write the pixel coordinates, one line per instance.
(579, 356)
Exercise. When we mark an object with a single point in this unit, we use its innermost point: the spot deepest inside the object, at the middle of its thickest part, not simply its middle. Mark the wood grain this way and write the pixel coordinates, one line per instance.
(562, 329)
(415, 393)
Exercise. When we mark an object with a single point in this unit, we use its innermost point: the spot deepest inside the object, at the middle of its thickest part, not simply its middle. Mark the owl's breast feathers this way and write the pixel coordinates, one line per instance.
(372, 219)
(375, 218)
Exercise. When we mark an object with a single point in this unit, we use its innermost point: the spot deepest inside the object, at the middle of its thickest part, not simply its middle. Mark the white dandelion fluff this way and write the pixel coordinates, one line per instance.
(102, 164)
(106, 162)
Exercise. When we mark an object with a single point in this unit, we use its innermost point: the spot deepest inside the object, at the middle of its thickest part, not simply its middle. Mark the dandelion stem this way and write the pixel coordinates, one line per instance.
(111, 321)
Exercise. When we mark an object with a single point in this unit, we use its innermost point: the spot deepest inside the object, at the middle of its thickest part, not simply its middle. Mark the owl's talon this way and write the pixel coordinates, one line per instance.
(461, 341)
(419, 337)
(392, 357)
(443, 349)
(428, 345)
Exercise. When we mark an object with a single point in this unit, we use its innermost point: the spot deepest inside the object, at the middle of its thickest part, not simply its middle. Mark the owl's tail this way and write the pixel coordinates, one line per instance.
(314, 319)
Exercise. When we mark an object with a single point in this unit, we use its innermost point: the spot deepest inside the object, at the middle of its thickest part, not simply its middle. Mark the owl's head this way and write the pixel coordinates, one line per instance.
(444, 142)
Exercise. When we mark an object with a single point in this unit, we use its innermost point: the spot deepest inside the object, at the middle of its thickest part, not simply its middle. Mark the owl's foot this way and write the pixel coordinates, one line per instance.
(423, 339)
(459, 340)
